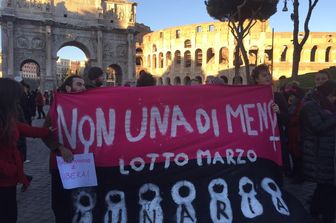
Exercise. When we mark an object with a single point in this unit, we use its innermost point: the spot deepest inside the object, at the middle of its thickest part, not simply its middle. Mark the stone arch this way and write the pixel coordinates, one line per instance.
(114, 75)
(253, 55)
(154, 61)
(210, 55)
(168, 58)
(177, 57)
(268, 54)
(225, 79)
(187, 58)
(139, 51)
(27, 61)
(187, 43)
(199, 79)
(30, 34)
(283, 56)
(313, 54)
(224, 55)
(30, 70)
(327, 54)
(82, 46)
(177, 81)
(139, 61)
(198, 57)
(154, 48)
(187, 80)
(161, 60)
(167, 81)
(160, 81)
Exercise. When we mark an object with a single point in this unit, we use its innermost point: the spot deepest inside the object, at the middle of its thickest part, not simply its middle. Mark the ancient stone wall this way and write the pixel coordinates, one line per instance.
(35, 30)
(200, 50)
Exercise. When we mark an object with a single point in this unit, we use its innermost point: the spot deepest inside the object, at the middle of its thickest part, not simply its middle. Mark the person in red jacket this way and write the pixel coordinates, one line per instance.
(40, 104)
(11, 165)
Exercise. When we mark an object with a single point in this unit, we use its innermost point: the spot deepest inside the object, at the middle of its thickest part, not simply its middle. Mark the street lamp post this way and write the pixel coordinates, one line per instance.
(297, 51)
(285, 8)
(298, 45)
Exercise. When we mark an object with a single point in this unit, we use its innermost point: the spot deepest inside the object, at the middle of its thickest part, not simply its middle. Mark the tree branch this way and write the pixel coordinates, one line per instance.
(306, 24)
(233, 28)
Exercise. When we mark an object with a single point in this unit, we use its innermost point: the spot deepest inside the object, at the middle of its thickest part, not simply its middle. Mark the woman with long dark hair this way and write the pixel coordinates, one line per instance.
(11, 165)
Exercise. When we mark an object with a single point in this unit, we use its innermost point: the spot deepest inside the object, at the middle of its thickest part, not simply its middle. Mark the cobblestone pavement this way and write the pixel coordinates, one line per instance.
(35, 204)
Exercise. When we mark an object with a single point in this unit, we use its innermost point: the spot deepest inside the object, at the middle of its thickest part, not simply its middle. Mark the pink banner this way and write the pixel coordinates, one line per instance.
(136, 126)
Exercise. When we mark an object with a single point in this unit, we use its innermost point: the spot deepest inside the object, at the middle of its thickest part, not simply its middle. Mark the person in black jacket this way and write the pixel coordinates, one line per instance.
(318, 128)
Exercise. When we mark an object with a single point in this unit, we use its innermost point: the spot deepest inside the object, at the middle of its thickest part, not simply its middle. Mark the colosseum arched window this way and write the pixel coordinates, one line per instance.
(268, 55)
(178, 34)
(177, 57)
(168, 58)
(138, 61)
(225, 79)
(198, 57)
(199, 29)
(149, 61)
(199, 79)
(283, 56)
(327, 54)
(177, 81)
(154, 61)
(160, 81)
(224, 55)
(160, 60)
(168, 81)
(187, 81)
(138, 51)
(187, 43)
(253, 55)
(187, 59)
(210, 55)
(313, 54)
(154, 48)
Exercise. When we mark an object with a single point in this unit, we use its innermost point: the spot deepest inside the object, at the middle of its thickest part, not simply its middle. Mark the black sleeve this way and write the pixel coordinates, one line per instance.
(283, 117)
(311, 114)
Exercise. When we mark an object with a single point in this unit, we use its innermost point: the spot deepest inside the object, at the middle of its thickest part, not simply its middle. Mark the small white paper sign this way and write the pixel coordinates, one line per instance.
(81, 172)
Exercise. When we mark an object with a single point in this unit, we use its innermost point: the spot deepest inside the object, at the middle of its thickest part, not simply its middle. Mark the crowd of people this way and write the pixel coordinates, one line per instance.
(306, 120)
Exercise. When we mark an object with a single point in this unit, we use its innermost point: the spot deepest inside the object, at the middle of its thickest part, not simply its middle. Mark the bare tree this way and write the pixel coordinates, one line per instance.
(298, 45)
(241, 16)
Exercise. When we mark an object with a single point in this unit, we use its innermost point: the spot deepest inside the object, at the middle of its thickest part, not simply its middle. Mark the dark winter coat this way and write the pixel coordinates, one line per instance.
(318, 128)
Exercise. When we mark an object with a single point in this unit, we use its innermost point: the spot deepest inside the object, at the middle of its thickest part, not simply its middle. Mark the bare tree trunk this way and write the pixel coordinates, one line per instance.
(236, 65)
(246, 62)
(298, 46)
(296, 62)
(296, 51)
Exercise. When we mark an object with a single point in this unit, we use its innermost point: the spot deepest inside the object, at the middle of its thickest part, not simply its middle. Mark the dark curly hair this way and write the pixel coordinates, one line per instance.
(257, 70)
(10, 94)
(145, 79)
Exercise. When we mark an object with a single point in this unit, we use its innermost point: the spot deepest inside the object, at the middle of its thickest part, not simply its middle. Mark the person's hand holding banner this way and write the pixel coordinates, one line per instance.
(80, 172)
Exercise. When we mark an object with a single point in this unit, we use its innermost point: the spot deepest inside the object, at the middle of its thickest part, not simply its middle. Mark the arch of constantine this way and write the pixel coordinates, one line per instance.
(178, 54)
(34, 31)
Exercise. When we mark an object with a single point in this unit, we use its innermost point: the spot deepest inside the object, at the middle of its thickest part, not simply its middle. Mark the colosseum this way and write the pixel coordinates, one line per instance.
(179, 54)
